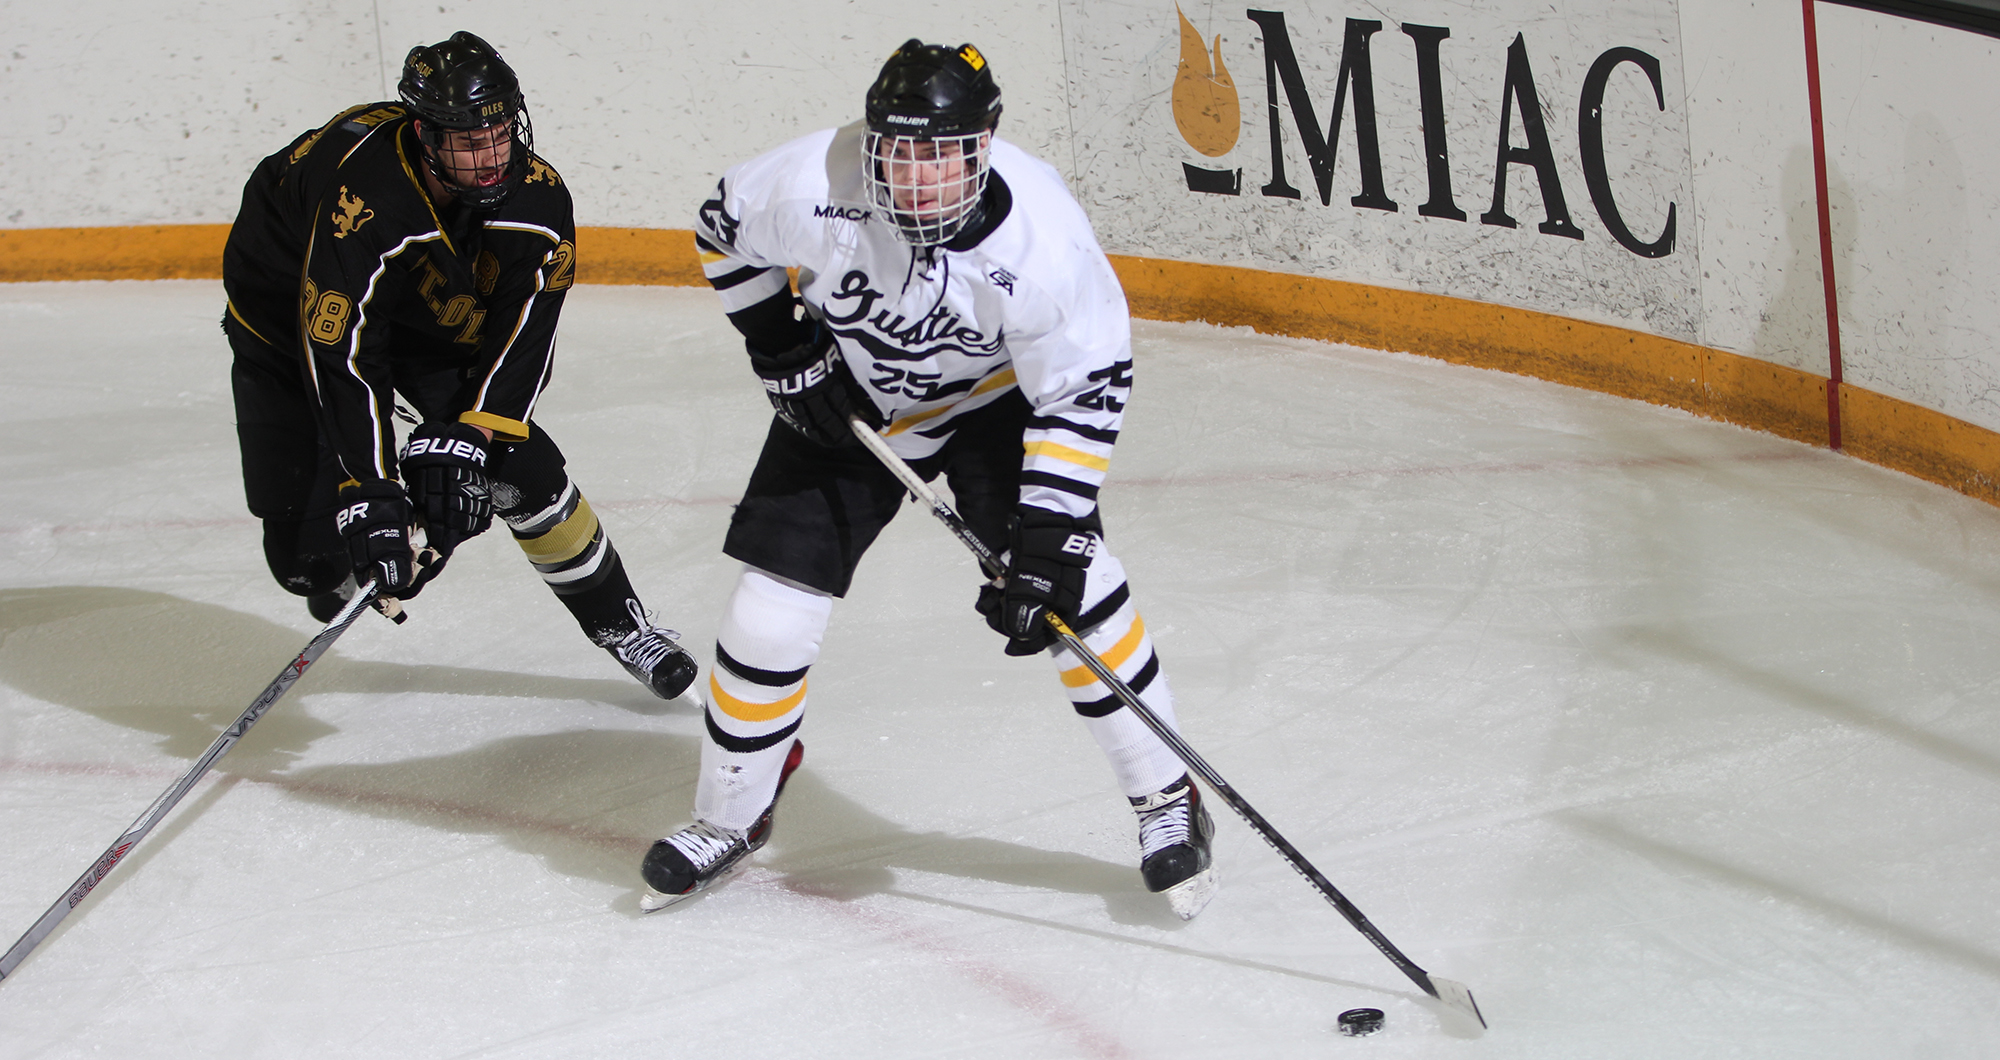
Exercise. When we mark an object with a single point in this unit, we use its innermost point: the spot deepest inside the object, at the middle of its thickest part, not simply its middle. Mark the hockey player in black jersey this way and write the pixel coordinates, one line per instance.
(417, 248)
(953, 295)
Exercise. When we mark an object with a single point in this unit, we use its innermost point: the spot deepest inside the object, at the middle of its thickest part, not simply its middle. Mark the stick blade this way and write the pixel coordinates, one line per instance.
(1457, 996)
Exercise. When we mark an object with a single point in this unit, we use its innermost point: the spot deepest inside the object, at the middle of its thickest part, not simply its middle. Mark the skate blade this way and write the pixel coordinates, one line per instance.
(653, 901)
(1190, 896)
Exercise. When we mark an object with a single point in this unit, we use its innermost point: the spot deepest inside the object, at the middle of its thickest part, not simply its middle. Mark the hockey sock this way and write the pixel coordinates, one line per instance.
(567, 546)
(1142, 763)
(1140, 760)
(770, 636)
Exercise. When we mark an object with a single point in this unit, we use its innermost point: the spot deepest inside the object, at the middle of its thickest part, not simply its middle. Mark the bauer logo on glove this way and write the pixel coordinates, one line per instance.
(457, 448)
(350, 514)
(1044, 575)
(445, 466)
(812, 390)
(813, 375)
(377, 532)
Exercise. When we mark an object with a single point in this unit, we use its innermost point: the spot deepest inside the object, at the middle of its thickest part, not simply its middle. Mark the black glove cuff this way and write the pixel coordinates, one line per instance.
(803, 367)
(444, 471)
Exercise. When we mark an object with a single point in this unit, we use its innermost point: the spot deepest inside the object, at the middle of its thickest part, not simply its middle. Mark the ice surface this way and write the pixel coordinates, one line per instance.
(1667, 738)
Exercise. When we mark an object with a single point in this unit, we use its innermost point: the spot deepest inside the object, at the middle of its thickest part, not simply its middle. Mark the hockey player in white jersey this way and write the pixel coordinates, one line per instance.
(955, 297)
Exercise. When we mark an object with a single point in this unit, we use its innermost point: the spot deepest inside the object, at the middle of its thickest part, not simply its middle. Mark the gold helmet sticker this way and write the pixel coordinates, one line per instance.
(971, 55)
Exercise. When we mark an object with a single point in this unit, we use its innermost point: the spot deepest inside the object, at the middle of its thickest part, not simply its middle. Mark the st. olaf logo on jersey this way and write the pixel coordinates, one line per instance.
(350, 214)
(939, 331)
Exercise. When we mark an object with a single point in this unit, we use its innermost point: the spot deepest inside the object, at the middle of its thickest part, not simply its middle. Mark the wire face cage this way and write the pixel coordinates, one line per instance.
(929, 186)
(470, 162)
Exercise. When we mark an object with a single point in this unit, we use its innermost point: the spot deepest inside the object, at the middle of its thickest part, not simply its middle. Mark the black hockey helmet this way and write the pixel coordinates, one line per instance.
(929, 90)
(931, 115)
(462, 85)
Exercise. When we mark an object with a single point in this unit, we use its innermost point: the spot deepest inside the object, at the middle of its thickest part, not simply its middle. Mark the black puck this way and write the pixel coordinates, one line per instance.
(1356, 1022)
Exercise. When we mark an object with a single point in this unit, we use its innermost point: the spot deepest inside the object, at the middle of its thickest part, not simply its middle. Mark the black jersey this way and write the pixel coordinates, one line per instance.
(341, 262)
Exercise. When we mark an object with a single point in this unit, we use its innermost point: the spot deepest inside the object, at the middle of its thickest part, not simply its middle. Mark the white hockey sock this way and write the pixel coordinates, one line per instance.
(1142, 763)
(770, 636)
(1140, 760)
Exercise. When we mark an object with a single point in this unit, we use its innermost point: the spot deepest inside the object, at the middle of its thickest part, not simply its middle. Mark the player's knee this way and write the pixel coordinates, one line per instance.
(306, 563)
(527, 477)
(772, 624)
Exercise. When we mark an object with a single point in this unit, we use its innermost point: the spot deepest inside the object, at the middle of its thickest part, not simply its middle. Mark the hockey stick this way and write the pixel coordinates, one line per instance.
(1455, 995)
(168, 799)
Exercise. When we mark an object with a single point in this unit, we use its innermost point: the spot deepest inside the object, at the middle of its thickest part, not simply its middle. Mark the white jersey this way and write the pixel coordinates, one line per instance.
(934, 333)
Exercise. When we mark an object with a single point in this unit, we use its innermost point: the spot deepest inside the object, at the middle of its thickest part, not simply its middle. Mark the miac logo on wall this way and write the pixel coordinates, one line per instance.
(1207, 112)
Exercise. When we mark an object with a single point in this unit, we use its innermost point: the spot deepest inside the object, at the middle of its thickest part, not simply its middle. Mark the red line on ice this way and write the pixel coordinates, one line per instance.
(1176, 481)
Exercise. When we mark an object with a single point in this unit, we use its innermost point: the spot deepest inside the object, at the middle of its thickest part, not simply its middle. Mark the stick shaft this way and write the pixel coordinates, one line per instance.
(1200, 767)
(168, 799)
(1195, 763)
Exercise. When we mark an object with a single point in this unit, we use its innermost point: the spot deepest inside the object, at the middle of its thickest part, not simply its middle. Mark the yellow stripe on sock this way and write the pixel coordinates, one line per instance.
(744, 710)
(1114, 658)
(566, 540)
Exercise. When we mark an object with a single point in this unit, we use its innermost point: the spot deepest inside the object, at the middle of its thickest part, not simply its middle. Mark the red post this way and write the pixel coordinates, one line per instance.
(1825, 232)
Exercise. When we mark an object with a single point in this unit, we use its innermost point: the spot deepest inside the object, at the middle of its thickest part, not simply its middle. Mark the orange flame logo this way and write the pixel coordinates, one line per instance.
(1206, 107)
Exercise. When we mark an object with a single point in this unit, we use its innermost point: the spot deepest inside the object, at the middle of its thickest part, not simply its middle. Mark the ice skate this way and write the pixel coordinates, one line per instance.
(1174, 830)
(702, 855)
(653, 655)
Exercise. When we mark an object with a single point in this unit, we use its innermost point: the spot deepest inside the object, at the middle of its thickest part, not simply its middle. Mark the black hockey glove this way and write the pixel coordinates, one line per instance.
(374, 518)
(813, 390)
(1047, 554)
(444, 468)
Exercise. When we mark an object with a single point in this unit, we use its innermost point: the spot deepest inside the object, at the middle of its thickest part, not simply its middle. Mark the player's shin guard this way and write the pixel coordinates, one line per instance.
(1174, 828)
(568, 548)
(1142, 763)
(770, 636)
(566, 544)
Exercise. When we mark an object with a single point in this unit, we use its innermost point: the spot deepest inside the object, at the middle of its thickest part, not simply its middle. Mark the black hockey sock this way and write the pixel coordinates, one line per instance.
(599, 606)
(569, 549)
